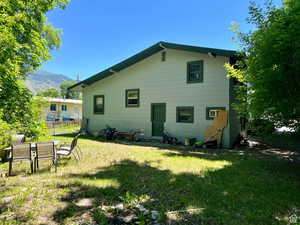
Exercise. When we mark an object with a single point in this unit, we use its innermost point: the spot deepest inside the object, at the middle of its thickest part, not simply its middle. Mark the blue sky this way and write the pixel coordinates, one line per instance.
(98, 34)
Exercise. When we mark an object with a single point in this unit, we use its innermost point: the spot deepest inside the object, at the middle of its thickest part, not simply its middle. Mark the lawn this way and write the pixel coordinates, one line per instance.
(284, 140)
(185, 187)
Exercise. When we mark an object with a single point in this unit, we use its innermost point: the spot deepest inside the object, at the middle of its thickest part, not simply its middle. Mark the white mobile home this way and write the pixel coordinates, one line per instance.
(168, 86)
(59, 109)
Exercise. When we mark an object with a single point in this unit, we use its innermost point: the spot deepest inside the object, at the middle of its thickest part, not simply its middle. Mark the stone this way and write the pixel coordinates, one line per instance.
(130, 218)
(171, 218)
(85, 202)
(146, 212)
(7, 199)
(140, 207)
(154, 214)
(119, 206)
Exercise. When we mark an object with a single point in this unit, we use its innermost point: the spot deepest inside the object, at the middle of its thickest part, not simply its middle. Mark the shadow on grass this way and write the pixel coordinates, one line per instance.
(146, 143)
(247, 192)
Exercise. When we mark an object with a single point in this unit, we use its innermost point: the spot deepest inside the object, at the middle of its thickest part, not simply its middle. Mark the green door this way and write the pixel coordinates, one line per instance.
(158, 118)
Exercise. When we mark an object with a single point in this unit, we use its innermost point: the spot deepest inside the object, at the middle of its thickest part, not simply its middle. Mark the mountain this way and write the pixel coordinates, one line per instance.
(43, 79)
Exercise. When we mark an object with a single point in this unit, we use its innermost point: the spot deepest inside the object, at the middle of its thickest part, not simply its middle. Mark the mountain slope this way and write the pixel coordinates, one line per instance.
(43, 79)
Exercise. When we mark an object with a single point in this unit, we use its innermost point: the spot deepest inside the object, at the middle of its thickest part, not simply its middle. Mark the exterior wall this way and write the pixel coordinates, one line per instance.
(74, 111)
(161, 82)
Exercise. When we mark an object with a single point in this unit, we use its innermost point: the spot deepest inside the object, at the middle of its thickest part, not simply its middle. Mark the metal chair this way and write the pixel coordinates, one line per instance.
(20, 152)
(68, 149)
(45, 150)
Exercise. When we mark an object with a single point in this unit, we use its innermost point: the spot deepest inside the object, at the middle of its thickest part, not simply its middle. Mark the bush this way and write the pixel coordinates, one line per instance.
(30, 124)
(5, 132)
(27, 119)
(261, 127)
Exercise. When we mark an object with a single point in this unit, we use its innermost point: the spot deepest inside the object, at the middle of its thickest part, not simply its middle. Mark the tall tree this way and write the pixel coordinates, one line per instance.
(271, 64)
(66, 93)
(50, 92)
(26, 39)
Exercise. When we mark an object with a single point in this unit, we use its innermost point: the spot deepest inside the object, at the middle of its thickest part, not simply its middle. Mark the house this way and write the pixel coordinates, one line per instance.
(59, 109)
(172, 87)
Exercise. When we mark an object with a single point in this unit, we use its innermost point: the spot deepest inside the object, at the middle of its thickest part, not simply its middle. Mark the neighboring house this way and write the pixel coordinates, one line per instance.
(63, 109)
(172, 87)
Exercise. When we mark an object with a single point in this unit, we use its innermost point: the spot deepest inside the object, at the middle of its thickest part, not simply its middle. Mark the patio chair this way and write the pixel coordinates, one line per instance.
(18, 153)
(78, 149)
(68, 149)
(45, 150)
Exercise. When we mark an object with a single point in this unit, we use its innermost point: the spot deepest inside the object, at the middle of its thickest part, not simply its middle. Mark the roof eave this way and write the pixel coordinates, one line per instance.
(145, 54)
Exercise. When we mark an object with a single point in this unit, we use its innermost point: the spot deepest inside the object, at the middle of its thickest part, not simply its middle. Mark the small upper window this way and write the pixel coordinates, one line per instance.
(99, 104)
(185, 114)
(133, 98)
(212, 112)
(53, 107)
(195, 72)
(63, 107)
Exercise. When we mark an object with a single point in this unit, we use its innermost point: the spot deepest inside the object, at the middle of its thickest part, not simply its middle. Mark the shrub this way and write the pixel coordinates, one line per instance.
(5, 132)
(28, 119)
(261, 127)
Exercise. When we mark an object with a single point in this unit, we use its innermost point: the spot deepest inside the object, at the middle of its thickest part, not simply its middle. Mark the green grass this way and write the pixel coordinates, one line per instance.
(283, 140)
(205, 187)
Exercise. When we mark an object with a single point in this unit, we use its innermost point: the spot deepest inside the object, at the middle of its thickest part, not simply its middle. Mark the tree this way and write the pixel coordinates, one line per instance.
(26, 39)
(270, 65)
(65, 92)
(50, 92)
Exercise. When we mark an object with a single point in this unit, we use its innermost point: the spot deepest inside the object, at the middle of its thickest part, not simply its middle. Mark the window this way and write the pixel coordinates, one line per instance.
(185, 114)
(63, 107)
(195, 72)
(163, 56)
(53, 107)
(99, 104)
(212, 112)
(132, 98)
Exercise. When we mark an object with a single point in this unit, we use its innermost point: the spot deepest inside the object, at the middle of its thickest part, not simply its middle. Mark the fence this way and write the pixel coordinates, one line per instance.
(56, 127)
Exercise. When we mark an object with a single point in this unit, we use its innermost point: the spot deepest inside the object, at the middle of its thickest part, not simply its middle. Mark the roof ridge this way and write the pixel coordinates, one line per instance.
(148, 52)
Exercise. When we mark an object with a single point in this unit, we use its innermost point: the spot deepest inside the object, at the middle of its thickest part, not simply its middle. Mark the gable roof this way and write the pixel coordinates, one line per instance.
(148, 52)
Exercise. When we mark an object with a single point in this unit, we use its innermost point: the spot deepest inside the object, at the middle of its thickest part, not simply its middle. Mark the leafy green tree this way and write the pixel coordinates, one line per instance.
(50, 92)
(271, 64)
(26, 39)
(65, 92)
